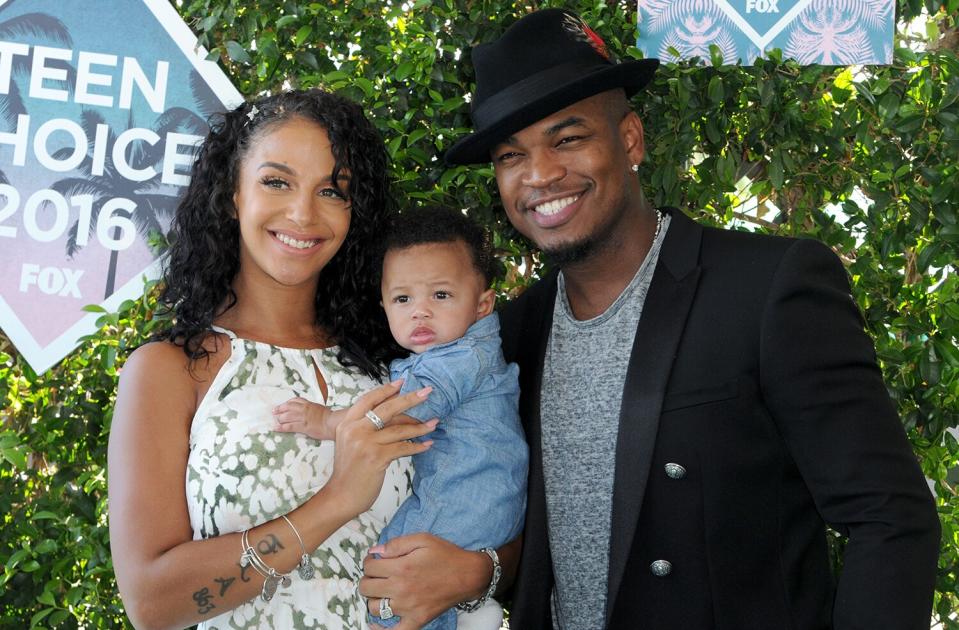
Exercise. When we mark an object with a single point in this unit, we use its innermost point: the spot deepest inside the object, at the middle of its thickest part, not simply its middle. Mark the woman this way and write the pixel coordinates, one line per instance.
(214, 516)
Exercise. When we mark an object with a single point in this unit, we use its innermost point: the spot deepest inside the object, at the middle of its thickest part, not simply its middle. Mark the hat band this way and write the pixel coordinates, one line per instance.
(522, 93)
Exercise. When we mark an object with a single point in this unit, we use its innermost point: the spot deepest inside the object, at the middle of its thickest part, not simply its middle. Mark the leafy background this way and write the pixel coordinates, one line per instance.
(863, 158)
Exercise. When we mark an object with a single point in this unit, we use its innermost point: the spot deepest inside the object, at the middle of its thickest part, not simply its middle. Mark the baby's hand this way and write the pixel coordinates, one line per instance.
(299, 415)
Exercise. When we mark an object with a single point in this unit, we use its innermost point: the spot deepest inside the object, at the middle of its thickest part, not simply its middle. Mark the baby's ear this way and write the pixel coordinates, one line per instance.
(486, 302)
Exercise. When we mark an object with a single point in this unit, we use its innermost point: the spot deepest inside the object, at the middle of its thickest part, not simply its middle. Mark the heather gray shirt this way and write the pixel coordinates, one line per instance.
(583, 376)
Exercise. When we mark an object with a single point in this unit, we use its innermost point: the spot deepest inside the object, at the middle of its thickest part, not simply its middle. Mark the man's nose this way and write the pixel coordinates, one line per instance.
(542, 169)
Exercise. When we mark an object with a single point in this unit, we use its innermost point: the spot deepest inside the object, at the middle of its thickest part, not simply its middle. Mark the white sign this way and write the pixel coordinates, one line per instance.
(101, 107)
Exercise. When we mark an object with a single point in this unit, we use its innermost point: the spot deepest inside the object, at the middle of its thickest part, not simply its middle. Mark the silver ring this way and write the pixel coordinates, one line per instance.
(385, 611)
(377, 422)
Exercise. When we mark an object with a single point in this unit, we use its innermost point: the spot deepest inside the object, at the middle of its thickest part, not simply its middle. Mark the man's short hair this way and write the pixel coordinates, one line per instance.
(441, 224)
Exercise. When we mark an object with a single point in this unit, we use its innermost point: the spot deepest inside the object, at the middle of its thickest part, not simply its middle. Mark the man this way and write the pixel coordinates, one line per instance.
(699, 403)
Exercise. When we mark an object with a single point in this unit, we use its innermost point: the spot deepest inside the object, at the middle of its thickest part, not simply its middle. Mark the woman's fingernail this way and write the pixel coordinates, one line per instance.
(427, 442)
(377, 549)
(423, 393)
(432, 423)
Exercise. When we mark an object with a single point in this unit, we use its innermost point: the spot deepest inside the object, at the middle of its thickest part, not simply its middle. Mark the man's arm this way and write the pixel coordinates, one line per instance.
(821, 382)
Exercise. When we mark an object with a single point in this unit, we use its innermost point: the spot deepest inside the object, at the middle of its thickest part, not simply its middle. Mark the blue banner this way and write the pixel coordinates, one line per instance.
(828, 32)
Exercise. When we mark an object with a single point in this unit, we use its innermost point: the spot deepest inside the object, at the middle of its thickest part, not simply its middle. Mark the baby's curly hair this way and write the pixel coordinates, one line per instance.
(440, 224)
(204, 257)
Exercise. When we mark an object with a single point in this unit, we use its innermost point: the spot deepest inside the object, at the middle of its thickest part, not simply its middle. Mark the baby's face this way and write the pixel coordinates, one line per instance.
(432, 294)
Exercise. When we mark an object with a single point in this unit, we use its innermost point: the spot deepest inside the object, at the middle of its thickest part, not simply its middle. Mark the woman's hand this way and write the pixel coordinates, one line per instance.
(363, 451)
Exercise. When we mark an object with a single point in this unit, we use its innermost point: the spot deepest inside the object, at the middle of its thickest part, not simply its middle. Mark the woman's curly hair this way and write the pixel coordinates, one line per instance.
(204, 257)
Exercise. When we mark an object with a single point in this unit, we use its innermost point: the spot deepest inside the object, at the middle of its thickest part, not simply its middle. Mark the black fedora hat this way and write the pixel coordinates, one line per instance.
(544, 62)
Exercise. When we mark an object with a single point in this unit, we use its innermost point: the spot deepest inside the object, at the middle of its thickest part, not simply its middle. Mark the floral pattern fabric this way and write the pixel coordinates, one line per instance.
(241, 473)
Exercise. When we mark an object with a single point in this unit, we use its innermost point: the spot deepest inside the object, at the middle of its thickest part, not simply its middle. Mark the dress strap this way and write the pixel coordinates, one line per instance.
(225, 331)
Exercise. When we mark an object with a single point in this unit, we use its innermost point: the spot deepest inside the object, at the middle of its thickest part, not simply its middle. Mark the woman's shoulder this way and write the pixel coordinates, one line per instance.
(165, 365)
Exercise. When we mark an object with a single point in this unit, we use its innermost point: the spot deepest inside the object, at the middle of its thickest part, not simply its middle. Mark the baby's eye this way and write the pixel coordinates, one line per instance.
(401, 299)
(274, 182)
(441, 295)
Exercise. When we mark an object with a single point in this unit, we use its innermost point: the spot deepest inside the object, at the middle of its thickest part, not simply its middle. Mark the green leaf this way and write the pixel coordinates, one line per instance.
(776, 174)
(40, 616)
(302, 35)
(403, 70)
(715, 91)
(237, 52)
(46, 597)
(44, 515)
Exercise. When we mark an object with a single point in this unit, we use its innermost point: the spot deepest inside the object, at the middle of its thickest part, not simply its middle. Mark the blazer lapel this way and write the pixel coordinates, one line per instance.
(657, 337)
(535, 573)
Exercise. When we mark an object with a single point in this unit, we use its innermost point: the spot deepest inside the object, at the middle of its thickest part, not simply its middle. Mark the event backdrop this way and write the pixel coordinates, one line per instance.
(101, 106)
(829, 32)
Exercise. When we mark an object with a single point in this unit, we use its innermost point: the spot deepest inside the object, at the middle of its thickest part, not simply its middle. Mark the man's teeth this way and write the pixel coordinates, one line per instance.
(292, 242)
(552, 207)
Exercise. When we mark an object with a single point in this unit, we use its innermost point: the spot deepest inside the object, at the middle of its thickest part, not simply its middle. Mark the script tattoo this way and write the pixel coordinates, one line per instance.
(243, 569)
(225, 583)
(269, 544)
(202, 598)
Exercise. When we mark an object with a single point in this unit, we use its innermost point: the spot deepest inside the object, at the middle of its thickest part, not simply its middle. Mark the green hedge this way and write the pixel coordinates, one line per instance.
(805, 138)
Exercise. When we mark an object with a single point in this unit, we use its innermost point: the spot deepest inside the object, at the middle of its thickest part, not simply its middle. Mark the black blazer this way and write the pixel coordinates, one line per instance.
(750, 368)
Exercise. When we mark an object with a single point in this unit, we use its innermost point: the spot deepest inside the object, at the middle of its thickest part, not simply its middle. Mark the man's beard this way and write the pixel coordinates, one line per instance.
(570, 253)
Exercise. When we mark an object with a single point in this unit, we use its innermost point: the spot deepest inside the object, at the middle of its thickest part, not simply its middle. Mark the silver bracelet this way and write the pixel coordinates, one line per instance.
(493, 583)
(271, 579)
(305, 567)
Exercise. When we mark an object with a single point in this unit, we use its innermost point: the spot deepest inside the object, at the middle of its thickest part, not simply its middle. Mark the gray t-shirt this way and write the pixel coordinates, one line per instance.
(583, 376)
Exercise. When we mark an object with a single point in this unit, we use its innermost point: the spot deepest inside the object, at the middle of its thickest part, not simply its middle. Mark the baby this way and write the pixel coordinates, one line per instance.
(470, 487)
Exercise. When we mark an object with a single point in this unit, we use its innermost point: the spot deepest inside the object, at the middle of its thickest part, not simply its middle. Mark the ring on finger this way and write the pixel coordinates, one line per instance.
(377, 422)
(385, 611)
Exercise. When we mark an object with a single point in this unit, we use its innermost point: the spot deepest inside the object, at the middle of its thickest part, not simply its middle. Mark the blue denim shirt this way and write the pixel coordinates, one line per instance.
(470, 486)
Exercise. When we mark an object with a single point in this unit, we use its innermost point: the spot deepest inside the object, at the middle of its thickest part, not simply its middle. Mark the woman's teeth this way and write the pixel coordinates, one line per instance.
(292, 242)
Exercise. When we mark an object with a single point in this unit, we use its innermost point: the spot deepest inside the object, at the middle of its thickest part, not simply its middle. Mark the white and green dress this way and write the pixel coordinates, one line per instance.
(242, 473)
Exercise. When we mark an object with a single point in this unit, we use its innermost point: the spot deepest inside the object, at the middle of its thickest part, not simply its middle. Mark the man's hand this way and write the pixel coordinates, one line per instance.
(423, 576)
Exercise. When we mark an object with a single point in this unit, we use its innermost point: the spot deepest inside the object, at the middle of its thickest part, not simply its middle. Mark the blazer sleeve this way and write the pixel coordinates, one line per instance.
(820, 379)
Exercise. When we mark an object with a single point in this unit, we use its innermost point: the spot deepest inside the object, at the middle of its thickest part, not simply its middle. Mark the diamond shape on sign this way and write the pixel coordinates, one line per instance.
(101, 107)
(762, 20)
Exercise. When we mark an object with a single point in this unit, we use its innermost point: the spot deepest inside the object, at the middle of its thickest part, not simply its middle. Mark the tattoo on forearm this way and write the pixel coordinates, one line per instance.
(243, 570)
(202, 598)
(225, 583)
(270, 544)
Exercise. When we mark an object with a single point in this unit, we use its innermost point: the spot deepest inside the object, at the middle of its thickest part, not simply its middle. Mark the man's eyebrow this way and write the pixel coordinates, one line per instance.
(572, 121)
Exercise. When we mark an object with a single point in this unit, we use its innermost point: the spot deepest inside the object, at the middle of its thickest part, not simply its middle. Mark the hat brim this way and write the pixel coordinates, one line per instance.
(632, 76)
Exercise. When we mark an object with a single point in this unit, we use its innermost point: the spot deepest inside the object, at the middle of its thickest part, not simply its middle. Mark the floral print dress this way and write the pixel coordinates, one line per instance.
(241, 473)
